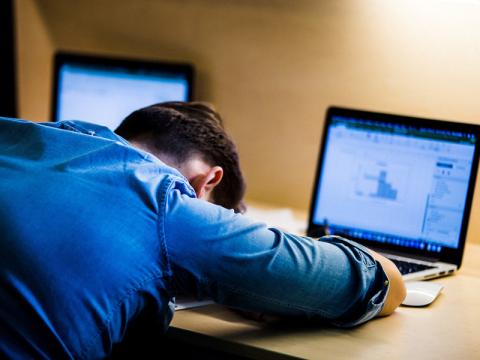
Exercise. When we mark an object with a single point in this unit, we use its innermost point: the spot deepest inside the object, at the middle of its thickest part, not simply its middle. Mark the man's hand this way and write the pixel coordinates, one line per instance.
(397, 291)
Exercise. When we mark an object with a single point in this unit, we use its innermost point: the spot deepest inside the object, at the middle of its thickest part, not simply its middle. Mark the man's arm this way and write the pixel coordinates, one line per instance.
(245, 265)
(397, 291)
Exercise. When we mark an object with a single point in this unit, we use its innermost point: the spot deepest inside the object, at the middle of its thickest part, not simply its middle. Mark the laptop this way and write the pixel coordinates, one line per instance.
(400, 185)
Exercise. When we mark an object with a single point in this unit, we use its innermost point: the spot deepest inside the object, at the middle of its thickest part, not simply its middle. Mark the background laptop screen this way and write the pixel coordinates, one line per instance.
(394, 183)
(105, 91)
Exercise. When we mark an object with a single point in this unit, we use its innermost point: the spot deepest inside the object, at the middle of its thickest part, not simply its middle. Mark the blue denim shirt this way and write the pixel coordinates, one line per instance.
(95, 233)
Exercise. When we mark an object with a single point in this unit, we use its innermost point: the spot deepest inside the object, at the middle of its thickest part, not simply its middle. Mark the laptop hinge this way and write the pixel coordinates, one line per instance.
(402, 254)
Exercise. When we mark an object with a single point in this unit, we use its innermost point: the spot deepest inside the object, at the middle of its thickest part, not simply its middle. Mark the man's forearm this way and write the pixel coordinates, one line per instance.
(397, 291)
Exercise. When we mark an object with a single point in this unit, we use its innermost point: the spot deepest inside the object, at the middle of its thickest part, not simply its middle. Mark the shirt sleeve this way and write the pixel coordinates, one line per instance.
(243, 264)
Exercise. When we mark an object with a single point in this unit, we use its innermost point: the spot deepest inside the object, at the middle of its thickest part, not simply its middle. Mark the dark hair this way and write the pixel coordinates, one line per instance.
(182, 129)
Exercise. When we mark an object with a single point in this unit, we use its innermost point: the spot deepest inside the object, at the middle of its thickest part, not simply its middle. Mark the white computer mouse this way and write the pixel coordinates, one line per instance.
(421, 293)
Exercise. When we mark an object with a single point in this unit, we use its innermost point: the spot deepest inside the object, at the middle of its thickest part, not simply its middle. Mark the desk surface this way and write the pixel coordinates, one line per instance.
(449, 328)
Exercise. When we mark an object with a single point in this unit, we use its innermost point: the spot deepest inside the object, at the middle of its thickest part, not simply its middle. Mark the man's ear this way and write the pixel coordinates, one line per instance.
(203, 184)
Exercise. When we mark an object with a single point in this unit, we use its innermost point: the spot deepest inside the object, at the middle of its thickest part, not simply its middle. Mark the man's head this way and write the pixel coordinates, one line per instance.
(190, 137)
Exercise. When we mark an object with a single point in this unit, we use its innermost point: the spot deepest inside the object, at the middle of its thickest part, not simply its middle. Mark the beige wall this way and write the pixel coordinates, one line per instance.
(34, 54)
(273, 66)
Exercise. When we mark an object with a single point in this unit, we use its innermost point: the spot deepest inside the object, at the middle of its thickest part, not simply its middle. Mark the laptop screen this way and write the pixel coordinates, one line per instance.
(394, 180)
(105, 90)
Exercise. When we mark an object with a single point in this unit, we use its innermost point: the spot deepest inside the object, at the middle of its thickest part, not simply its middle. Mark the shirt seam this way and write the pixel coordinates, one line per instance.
(161, 223)
(160, 226)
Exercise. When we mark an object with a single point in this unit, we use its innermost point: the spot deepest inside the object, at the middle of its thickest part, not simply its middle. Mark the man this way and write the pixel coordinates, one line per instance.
(98, 234)
(190, 138)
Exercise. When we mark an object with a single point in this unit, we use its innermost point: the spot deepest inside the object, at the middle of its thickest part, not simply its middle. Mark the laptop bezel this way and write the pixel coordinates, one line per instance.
(447, 255)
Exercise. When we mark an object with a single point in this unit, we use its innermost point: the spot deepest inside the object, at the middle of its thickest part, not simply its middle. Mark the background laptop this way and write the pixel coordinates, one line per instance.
(402, 186)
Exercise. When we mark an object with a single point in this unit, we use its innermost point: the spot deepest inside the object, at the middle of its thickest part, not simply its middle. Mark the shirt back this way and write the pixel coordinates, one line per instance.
(82, 248)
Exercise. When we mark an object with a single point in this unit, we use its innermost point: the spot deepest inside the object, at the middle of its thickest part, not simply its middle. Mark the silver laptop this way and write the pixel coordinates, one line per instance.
(399, 185)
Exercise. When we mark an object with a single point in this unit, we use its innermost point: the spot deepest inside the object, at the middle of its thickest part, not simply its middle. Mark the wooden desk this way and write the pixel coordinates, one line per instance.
(447, 329)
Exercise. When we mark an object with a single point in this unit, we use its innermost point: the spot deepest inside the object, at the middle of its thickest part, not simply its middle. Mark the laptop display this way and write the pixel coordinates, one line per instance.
(396, 182)
(105, 90)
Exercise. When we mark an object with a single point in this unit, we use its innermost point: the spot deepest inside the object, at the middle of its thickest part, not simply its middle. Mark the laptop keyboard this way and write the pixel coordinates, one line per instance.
(406, 267)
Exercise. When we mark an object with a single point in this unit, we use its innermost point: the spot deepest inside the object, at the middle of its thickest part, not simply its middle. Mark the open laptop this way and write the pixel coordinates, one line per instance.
(399, 185)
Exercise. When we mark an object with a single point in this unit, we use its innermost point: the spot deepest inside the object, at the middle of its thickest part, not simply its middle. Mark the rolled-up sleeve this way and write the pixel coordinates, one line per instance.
(243, 264)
